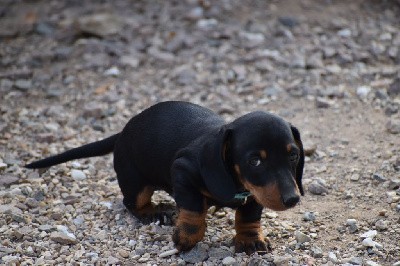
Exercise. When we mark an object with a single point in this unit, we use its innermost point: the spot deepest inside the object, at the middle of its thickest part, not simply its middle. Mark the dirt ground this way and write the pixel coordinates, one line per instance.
(72, 72)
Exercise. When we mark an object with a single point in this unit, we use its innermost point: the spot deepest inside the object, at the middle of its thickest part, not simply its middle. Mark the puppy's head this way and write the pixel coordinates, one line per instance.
(265, 154)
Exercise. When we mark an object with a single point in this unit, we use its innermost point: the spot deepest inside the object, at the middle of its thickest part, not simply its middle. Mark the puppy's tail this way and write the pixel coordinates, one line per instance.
(97, 148)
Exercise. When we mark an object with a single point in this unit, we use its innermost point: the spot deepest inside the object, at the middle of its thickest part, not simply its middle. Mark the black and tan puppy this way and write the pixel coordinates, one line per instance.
(254, 162)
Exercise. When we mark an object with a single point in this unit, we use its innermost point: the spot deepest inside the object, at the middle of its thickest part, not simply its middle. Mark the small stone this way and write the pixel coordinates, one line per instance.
(355, 177)
(368, 242)
(273, 91)
(378, 177)
(100, 25)
(207, 24)
(113, 71)
(393, 126)
(309, 148)
(394, 88)
(363, 91)
(78, 175)
(220, 253)
(7, 180)
(23, 84)
(195, 255)
(44, 29)
(92, 110)
(397, 263)
(369, 234)
(352, 225)
(371, 263)
(381, 225)
(394, 183)
(195, 14)
(62, 238)
(297, 61)
(168, 253)
(279, 260)
(46, 228)
(9, 209)
(112, 260)
(323, 103)
(301, 237)
(315, 60)
(317, 188)
(124, 253)
(316, 252)
(31, 203)
(186, 77)
(2, 166)
(332, 257)
(289, 22)
(228, 261)
(251, 40)
(344, 33)
(130, 60)
(308, 216)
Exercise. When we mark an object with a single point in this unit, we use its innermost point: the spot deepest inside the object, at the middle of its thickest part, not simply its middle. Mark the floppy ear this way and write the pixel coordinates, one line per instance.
(213, 168)
(300, 164)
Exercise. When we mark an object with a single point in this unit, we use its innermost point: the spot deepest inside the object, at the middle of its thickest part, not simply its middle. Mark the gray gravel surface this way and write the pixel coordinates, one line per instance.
(72, 72)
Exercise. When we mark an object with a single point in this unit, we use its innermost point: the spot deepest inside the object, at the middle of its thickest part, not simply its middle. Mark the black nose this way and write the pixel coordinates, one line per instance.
(291, 200)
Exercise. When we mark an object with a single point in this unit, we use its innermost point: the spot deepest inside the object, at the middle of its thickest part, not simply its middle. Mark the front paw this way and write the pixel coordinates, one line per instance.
(252, 246)
(186, 236)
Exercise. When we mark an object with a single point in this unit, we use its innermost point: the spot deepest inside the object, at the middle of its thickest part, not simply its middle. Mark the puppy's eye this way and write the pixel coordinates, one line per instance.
(255, 161)
(294, 156)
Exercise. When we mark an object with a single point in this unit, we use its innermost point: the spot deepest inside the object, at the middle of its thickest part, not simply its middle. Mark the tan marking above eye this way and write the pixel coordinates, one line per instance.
(263, 154)
(289, 147)
(237, 169)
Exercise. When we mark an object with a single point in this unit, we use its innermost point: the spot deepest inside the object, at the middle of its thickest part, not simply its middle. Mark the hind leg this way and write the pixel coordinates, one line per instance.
(137, 198)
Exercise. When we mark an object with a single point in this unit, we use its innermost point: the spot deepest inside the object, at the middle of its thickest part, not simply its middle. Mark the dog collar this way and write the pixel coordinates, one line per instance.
(242, 197)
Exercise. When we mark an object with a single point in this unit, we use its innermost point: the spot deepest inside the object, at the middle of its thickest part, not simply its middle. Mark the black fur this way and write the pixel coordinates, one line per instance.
(191, 153)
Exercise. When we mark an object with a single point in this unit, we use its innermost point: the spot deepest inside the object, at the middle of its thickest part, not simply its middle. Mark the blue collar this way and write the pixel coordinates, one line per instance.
(242, 197)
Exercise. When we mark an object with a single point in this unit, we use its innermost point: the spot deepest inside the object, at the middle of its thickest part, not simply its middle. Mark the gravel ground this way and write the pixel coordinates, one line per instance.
(72, 72)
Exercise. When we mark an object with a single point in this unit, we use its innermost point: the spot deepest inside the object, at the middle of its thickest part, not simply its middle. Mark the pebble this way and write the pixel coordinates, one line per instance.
(228, 261)
(316, 252)
(381, 225)
(394, 183)
(371, 263)
(130, 60)
(23, 84)
(379, 177)
(344, 33)
(7, 180)
(251, 40)
(352, 225)
(332, 257)
(101, 25)
(301, 237)
(9, 209)
(368, 242)
(113, 71)
(323, 103)
(195, 13)
(288, 21)
(63, 238)
(369, 234)
(309, 216)
(195, 255)
(393, 126)
(207, 24)
(78, 175)
(168, 253)
(220, 253)
(317, 188)
(363, 91)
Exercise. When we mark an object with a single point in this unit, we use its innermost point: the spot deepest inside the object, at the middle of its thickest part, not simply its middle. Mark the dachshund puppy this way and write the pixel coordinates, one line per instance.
(252, 163)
